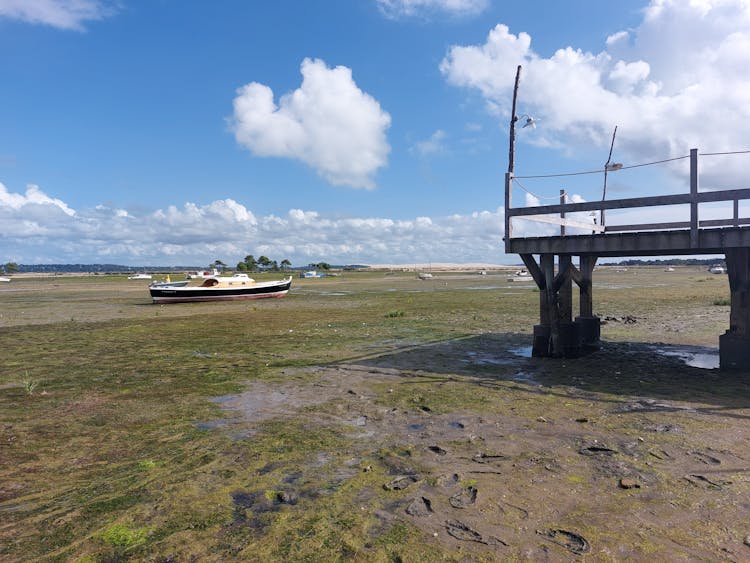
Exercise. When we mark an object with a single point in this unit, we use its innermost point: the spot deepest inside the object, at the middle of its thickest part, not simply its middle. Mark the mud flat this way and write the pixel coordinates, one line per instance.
(370, 417)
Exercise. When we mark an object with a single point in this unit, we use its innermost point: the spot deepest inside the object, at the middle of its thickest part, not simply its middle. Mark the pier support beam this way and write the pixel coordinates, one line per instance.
(734, 344)
(589, 325)
(557, 335)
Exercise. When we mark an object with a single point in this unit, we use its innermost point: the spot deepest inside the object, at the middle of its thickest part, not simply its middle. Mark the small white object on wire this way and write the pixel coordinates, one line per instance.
(530, 122)
(613, 166)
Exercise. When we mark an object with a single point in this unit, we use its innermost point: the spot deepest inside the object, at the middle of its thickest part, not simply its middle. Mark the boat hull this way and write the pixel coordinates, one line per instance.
(164, 295)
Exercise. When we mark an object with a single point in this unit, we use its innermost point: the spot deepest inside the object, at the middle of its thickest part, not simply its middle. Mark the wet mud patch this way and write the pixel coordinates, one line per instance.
(477, 460)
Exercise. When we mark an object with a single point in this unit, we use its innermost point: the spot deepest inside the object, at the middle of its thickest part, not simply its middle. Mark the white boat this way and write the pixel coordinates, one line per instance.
(4, 279)
(203, 274)
(221, 288)
(520, 275)
(140, 277)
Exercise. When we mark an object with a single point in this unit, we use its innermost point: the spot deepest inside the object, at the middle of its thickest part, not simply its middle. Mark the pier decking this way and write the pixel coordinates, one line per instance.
(558, 333)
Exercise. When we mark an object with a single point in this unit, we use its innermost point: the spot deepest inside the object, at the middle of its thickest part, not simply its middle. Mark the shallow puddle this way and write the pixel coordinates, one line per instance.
(697, 357)
(521, 351)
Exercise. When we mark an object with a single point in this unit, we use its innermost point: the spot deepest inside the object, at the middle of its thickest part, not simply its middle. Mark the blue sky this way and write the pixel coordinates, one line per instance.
(375, 131)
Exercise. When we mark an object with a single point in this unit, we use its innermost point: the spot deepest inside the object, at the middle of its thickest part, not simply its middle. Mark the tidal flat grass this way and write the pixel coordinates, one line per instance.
(119, 459)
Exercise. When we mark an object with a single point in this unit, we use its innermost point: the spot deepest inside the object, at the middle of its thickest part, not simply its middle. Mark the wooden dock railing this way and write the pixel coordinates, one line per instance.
(545, 213)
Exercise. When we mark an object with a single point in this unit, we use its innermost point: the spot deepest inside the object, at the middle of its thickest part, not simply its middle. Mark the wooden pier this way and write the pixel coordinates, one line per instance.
(558, 333)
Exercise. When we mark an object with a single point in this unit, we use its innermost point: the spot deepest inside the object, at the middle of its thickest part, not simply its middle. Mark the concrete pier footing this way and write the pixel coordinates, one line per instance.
(734, 352)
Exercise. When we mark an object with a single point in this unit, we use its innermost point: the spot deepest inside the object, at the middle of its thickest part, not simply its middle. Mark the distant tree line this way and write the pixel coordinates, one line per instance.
(262, 264)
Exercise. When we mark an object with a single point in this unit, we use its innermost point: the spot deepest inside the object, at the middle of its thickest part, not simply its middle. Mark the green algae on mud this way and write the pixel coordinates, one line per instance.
(135, 441)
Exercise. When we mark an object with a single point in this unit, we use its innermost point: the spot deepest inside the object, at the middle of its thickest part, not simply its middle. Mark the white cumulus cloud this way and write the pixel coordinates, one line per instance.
(327, 123)
(435, 144)
(677, 81)
(62, 14)
(40, 229)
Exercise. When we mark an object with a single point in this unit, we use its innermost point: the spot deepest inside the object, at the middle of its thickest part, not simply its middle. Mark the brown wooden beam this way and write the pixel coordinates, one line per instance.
(649, 201)
(564, 290)
(586, 304)
(547, 296)
(678, 225)
(534, 270)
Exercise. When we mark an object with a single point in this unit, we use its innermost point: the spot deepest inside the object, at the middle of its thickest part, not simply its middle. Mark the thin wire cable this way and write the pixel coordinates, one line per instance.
(655, 162)
(602, 171)
(520, 185)
(722, 153)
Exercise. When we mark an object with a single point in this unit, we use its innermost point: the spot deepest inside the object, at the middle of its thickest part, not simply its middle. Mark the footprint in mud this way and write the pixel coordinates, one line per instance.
(597, 450)
(483, 457)
(661, 455)
(575, 543)
(400, 483)
(461, 531)
(464, 498)
(705, 458)
(703, 481)
(420, 506)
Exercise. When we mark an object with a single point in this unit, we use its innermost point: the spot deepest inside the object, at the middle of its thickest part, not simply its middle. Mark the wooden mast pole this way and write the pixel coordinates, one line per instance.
(513, 119)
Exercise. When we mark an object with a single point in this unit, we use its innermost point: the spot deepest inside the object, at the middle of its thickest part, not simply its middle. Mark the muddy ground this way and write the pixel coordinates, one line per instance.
(370, 417)
(627, 453)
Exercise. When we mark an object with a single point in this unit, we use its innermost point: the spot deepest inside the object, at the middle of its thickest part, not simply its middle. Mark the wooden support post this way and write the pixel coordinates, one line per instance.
(543, 274)
(734, 345)
(565, 294)
(589, 325)
(586, 267)
(508, 201)
(547, 297)
(738, 268)
(694, 198)
(736, 213)
(562, 213)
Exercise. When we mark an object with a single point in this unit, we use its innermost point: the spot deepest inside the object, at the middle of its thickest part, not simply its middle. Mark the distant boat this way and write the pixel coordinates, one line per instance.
(221, 288)
(312, 274)
(4, 279)
(140, 277)
(717, 269)
(520, 275)
(203, 274)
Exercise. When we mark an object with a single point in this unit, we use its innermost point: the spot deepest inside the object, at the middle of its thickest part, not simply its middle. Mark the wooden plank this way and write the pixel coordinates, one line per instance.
(564, 222)
(650, 201)
(646, 243)
(648, 227)
(677, 225)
